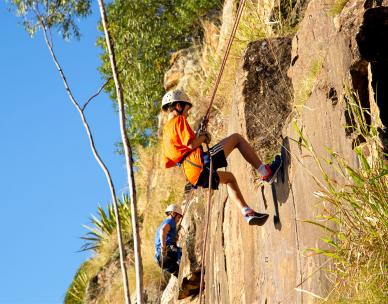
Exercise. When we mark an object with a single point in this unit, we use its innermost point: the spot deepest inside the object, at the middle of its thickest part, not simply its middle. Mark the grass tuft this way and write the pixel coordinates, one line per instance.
(337, 7)
(358, 245)
(305, 89)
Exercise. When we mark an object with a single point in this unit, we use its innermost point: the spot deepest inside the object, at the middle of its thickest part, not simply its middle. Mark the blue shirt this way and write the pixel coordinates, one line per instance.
(171, 235)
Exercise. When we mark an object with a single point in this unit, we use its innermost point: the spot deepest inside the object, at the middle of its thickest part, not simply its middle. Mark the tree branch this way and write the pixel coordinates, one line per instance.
(128, 157)
(95, 95)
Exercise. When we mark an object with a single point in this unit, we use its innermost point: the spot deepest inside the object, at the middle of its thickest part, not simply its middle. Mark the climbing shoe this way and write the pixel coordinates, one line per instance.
(253, 217)
(273, 168)
(258, 219)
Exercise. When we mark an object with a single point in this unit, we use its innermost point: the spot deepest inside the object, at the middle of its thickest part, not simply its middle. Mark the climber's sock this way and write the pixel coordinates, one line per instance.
(264, 171)
(247, 211)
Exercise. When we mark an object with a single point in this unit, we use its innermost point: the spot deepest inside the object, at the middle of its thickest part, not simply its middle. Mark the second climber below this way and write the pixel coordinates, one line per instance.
(182, 147)
(167, 253)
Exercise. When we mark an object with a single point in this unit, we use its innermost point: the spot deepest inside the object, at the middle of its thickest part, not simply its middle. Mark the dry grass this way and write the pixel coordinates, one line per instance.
(104, 253)
(358, 210)
(337, 7)
(157, 188)
(305, 89)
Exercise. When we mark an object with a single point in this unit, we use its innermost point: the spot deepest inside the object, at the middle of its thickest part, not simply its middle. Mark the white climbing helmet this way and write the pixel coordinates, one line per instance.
(174, 96)
(174, 208)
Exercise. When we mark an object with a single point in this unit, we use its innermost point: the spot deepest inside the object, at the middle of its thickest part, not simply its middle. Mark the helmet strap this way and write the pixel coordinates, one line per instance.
(183, 104)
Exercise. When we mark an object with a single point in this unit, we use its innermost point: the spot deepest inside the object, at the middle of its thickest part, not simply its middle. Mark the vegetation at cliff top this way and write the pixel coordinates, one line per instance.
(253, 26)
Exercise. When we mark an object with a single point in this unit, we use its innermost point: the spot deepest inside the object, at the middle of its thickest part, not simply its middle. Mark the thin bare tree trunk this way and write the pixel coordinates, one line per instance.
(128, 157)
(96, 156)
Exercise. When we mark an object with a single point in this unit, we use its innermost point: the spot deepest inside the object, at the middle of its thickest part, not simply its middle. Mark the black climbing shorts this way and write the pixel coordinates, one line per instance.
(219, 161)
(171, 260)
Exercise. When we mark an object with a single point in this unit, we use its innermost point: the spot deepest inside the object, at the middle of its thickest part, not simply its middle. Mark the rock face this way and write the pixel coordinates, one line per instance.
(269, 264)
(185, 64)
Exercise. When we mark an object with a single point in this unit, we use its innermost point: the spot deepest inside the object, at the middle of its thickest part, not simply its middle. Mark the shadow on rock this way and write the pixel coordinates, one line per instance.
(283, 184)
(189, 286)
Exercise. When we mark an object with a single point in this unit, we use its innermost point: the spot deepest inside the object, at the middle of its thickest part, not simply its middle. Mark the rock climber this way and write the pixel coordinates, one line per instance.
(167, 253)
(182, 147)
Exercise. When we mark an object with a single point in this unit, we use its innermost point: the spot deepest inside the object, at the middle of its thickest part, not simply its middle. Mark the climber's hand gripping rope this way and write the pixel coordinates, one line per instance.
(202, 130)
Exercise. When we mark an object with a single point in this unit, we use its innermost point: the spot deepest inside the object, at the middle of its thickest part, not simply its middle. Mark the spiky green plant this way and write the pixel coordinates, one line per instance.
(101, 240)
(105, 225)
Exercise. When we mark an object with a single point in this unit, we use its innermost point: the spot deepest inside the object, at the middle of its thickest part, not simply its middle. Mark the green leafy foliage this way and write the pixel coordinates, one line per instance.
(145, 34)
(54, 14)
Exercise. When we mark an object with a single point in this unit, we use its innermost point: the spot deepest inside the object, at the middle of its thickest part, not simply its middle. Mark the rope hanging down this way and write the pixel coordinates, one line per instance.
(223, 64)
(204, 127)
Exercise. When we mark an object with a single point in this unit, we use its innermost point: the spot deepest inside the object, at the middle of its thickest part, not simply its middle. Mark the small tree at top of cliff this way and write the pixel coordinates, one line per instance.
(146, 33)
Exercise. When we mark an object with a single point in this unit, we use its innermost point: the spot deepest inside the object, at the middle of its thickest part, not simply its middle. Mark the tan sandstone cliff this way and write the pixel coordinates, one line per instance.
(298, 79)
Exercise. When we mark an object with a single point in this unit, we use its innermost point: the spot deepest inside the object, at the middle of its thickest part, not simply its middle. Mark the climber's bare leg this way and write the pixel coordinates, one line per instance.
(237, 141)
(234, 192)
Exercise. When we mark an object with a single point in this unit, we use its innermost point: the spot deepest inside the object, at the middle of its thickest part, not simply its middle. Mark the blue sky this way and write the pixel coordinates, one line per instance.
(49, 180)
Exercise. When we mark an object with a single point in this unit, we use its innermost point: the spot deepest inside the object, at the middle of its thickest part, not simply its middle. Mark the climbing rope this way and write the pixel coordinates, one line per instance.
(160, 279)
(204, 127)
(206, 228)
(223, 64)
